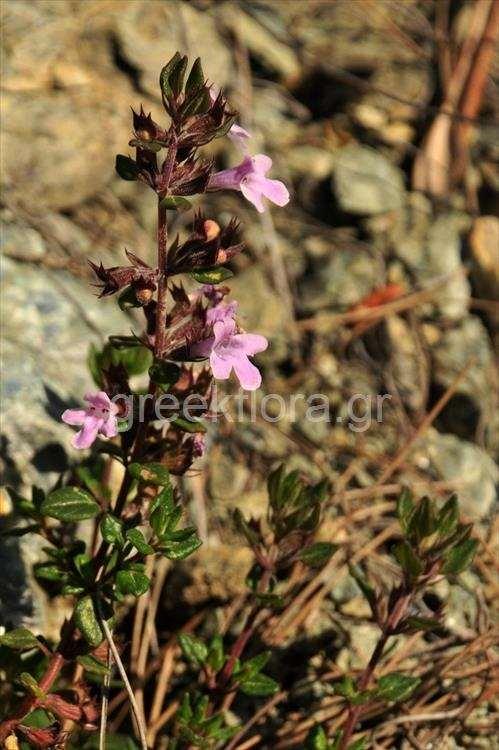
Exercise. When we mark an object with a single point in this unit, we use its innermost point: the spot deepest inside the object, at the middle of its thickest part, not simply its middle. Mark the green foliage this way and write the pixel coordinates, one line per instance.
(194, 650)
(126, 168)
(128, 352)
(87, 622)
(131, 579)
(20, 639)
(164, 373)
(150, 473)
(212, 275)
(111, 529)
(317, 554)
(136, 538)
(396, 686)
(69, 504)
(175, 203)
(196, 727)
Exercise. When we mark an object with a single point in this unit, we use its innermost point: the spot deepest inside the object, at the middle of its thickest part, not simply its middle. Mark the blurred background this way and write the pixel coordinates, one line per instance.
(382, 118)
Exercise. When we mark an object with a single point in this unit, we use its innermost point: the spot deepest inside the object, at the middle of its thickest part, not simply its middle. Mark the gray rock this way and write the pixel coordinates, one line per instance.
(342, 281)
(461, 461)
(455, 348)
(149, 34)
(52, 318)
(365, 182)
(405, 361)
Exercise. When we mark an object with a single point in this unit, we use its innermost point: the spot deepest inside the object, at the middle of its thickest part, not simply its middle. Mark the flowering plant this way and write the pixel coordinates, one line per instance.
(60, 692)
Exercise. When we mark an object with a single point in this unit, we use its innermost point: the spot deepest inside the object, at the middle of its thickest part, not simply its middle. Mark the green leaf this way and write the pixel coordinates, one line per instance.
(259, 685)
(193, 649)
(111, 529)
(188, 425)
(135, 359)
(212, 275)
(126, 168)
(347, 688)
(317, 739)
(317, 554)
(448, 517)
(244, 528)
(359, 744)
(112, 742)
(19, 639)
(195, 78)
(253, 666)
(175, 203)
(31, 685)
(164, 373)
(181, 550)
(366, 588)
(216, 653)
(50, 572)
(150, 473)
(177, 75)
(87, 622)
(423, 522)
(92, 665)
(164, 76)
(405, 509)
(130, 581)
(164, 499)
(136, 537)
(460, 557)
(407, 559)
(69, 504)
(396, 686)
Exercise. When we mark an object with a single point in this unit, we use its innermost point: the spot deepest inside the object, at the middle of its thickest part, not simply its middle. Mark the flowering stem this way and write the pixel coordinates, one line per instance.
(162, 252)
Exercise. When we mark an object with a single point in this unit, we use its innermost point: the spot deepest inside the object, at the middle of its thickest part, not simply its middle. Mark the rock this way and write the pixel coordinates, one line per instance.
(250, 288)
(405, 361)
(484, 245)
(365, 182)
(52, 319)
(458, 460)
(264, 45)
(342, 281)
(149, 34)
(455, 348)
(21, 241)
(64, 128)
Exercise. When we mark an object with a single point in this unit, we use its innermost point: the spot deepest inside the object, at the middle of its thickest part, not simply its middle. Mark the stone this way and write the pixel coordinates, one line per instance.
(341, 281)
(471, 467)
(406, 361)
(21, 241)
(52, 319)
(149, 34)
(484, 245)
(64, 128)
(365, 182)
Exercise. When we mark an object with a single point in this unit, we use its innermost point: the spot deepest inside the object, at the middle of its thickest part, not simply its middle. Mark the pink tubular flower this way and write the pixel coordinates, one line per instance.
(99, 417)
(221, 313)
(198, 444)
(249, 177)
(229, 350)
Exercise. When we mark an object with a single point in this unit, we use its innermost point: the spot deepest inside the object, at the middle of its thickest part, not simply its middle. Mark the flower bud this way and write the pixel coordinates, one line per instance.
(210, 229)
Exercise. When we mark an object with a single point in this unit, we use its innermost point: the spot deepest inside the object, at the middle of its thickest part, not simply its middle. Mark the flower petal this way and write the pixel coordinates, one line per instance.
(74, 416)
(220, 366)
(100, 400)
(110, 427)
(202, 348)
(224, 330)
(276, 191)
(251, 189)
(247, 374)
(86, 436)
(251, 343)
(239, 136)
(261, 164)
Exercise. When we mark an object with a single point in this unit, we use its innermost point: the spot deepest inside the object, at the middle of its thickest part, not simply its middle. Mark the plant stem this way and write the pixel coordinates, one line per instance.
(392, 620)
(30, 702)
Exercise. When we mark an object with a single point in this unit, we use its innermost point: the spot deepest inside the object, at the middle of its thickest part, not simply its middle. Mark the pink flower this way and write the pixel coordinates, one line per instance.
(229, 350)
(221, 313)
(239, 136)
(198, 444)
(98, 418)
(249, 177)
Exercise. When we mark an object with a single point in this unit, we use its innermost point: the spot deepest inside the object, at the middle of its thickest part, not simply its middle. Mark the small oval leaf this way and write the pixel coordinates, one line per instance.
(69, 504)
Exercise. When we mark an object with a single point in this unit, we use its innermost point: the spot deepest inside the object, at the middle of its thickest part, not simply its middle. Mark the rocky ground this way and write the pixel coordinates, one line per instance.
(341, 94)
